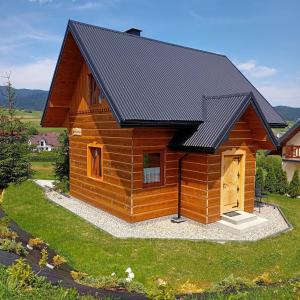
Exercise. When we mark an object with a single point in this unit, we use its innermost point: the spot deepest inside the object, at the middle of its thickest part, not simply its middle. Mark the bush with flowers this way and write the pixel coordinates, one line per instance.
(114, 282)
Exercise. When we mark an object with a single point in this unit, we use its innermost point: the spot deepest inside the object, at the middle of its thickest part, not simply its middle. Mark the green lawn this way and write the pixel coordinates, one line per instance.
(201, 263)
(43, 170)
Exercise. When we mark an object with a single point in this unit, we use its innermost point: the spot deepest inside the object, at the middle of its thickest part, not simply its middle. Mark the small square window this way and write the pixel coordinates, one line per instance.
(152, 168)
(95, 161)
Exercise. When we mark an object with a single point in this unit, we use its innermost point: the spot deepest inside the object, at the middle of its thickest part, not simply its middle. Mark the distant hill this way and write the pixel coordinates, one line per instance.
(35, 100)
(27, 99)
(289, 113)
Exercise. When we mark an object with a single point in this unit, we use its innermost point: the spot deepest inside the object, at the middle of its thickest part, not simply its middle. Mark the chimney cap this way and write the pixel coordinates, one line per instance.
(134, 31)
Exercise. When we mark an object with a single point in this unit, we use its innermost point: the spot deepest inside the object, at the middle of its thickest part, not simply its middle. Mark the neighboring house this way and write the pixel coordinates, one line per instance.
(290, 150)
(156, 128)
(44, 142)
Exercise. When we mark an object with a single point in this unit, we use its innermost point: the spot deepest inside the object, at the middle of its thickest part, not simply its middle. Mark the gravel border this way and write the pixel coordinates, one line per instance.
(163, 228)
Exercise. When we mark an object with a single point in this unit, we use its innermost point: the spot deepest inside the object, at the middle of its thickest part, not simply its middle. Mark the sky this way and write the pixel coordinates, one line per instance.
(262, 37)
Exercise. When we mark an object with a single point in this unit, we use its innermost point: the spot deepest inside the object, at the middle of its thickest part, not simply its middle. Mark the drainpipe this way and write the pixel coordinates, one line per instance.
(178, 219)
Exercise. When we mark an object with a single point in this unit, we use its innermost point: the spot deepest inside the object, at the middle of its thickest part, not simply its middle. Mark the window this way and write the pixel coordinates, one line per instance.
(95, 95)
(94, 161)
(153, 168)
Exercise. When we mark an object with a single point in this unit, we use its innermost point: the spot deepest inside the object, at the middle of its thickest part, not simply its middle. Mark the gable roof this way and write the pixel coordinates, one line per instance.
(222, 112)
(149, 82)
(290, 133)
(51, 138)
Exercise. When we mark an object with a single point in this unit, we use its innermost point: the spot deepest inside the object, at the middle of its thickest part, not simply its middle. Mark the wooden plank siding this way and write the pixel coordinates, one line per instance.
(97, 124)
(155, 201)
(121, 190)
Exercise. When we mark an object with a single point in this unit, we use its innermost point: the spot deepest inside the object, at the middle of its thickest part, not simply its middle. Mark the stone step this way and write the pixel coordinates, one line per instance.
(243, 227)
(238, 217)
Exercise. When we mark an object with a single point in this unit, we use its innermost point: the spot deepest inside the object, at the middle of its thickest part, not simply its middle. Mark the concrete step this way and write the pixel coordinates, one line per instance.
(238, 217)
(243, 227)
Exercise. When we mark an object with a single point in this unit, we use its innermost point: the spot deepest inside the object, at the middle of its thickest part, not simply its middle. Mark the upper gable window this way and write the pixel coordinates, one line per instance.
(95, 95)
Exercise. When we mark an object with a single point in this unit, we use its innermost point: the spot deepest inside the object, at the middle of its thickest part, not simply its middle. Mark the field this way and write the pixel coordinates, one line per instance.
(179, 262)
(43, 170)
(34, 118)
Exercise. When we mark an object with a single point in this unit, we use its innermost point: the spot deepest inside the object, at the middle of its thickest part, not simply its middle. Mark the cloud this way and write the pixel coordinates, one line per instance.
(41, 1)
(35, 75)
(251, 68)
(284, 94)
(85, 5)
(18, 31)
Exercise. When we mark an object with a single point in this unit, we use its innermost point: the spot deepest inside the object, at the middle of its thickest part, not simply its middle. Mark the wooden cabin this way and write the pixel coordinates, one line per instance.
(157, 129)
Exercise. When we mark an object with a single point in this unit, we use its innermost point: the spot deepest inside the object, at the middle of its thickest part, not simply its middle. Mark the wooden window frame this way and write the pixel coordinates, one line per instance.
(162, 167)
(94, 91)
(89, 161)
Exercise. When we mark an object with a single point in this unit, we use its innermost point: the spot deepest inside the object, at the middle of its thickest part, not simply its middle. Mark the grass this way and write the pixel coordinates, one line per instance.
(93, 251)
(43, 170)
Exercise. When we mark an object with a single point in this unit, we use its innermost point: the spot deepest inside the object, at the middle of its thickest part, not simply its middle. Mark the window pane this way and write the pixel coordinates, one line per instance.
(152, 170)
(96, 168)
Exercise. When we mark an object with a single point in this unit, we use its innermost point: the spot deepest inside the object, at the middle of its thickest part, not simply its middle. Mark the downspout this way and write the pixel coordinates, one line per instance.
(178, 219)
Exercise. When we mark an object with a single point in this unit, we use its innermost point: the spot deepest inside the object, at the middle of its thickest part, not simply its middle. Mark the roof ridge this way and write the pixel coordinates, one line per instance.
(149, 39)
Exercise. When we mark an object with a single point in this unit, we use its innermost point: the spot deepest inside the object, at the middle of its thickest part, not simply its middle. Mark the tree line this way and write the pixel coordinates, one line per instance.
(270, 176)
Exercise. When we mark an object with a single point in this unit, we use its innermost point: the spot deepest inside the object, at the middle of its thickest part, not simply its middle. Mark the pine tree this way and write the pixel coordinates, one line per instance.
(259, 178)
(14, 147)
(282, 183)
(294, 187)
(270, 182)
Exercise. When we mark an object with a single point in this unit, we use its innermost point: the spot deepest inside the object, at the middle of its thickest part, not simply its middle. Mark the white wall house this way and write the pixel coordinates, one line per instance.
(44, 142)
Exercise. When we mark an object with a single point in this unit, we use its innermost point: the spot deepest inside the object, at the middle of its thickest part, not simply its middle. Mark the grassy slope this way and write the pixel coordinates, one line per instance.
(202, 263)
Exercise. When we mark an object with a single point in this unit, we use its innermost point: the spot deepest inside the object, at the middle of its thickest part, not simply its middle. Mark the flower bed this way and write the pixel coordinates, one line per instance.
(24, 250)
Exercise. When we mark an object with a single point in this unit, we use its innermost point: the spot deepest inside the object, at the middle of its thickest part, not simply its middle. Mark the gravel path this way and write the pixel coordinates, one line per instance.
(163, 227)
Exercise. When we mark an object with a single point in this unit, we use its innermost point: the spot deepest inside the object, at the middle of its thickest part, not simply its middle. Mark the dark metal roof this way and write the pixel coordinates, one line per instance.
(152, 82)
(221, 114)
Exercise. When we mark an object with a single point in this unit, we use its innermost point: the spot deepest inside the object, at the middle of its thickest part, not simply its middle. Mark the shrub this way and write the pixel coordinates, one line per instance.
(36, 243)
(44, 258)
(259, 178)
(294, 187)
(21, 274)
(232, 284)
(263, 279)
(6, 233)
(4, 221)
(58, 260)
(12, 246)
(270, 183)
(62, 185)
(162, 291)
(282, 183)
(77, 275)
(44, 156)
(61, 165)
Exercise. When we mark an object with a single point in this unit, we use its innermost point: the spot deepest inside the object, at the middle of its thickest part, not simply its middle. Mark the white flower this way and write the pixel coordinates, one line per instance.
(128, 279)
(131, 275)
(113, 274)
(128, 270)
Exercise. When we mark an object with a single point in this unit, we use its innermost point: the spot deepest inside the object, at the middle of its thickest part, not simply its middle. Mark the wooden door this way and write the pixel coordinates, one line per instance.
(231, 183)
